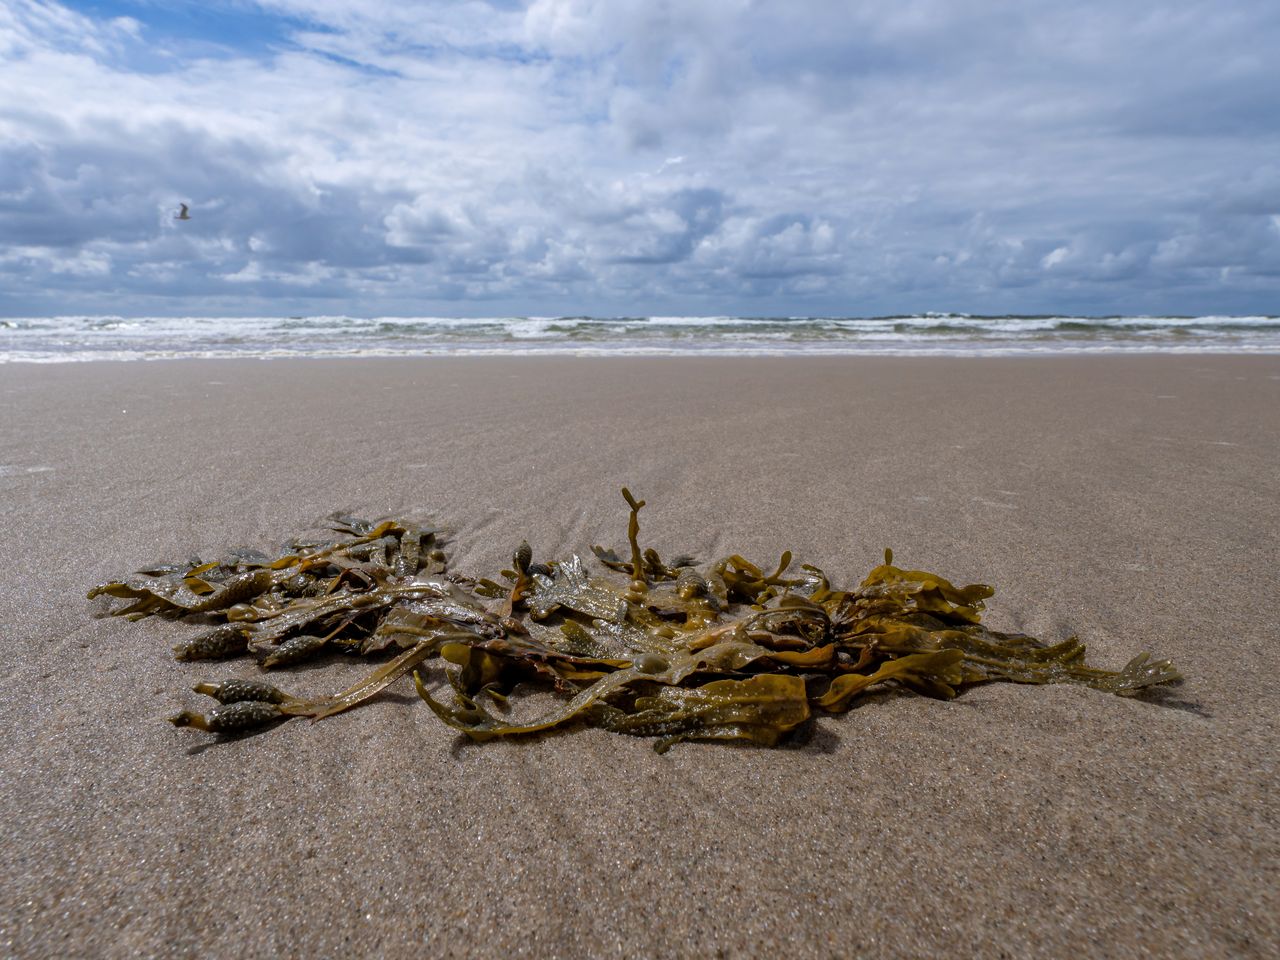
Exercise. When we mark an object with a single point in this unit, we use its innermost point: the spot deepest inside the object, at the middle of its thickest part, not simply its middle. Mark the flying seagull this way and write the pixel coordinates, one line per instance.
(182, 214)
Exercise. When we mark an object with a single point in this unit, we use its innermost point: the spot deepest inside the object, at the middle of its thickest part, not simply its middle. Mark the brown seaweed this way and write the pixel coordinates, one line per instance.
(674, 651)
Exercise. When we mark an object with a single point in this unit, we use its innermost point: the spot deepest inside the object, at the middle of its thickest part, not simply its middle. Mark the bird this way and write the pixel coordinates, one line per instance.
(182, 214)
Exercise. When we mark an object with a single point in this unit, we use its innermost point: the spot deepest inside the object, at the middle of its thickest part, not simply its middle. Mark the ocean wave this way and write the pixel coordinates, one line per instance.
(107, 337)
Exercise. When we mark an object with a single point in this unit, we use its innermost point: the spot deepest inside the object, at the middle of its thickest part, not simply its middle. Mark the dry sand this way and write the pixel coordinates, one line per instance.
(1131, 501)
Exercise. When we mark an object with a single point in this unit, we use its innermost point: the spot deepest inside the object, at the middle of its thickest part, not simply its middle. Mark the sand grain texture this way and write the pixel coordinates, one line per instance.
(1131, 501)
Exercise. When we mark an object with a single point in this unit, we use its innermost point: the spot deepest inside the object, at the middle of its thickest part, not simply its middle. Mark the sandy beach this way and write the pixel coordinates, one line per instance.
(1131, 501)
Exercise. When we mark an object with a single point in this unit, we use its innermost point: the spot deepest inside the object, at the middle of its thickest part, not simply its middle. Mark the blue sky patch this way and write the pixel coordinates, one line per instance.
(189, 28)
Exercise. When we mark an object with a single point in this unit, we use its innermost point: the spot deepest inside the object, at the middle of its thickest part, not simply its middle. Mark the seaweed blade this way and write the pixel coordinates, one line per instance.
(675, 652)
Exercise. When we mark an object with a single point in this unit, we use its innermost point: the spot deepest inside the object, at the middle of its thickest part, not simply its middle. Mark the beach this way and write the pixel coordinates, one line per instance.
(1131, 501)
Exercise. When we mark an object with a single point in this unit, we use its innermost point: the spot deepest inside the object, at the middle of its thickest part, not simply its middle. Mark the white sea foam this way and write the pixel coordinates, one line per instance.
(86, 338)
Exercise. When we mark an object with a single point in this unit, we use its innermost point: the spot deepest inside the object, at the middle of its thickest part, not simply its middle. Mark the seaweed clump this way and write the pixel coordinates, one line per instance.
(672, 650)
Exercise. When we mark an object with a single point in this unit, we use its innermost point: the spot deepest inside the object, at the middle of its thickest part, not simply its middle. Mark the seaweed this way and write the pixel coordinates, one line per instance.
(674, 651)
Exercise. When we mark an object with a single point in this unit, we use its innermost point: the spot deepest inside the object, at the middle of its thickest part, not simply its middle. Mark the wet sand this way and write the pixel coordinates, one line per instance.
(1132, 501)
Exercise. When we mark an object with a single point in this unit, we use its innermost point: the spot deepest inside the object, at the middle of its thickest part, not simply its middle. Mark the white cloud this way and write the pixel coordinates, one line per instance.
(1054, 257)
(632, 155)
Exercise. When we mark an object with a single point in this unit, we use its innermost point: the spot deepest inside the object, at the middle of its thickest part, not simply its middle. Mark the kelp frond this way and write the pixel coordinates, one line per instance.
(679, 651)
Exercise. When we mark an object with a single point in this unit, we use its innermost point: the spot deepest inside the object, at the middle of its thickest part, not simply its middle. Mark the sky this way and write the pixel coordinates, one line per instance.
(639, 157)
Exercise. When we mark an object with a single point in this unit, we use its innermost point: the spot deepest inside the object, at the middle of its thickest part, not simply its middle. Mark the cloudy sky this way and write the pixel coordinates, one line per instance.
(482, 157)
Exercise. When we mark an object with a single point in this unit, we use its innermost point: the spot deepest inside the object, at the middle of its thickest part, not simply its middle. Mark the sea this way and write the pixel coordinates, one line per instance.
(86, 338)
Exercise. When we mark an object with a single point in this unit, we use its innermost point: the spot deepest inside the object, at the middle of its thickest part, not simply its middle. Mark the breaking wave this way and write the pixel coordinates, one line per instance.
(79, 338)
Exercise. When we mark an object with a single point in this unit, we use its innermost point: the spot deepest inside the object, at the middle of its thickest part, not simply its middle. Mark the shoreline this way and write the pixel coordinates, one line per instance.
(1129, 500)
(658, 353)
